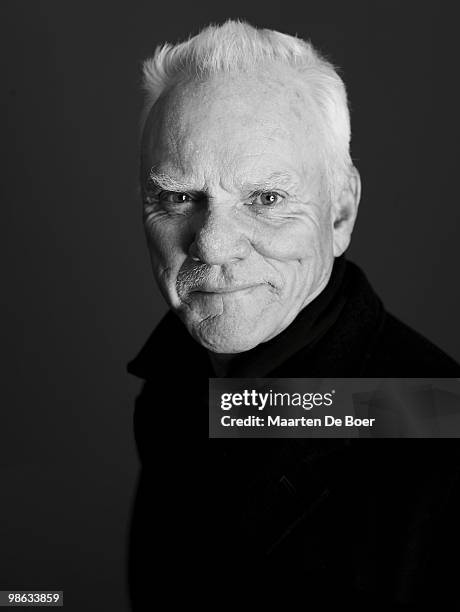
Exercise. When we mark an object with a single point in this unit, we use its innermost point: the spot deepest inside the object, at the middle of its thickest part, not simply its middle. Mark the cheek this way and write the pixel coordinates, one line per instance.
(295, 240)
(167, 242)
(168, 250)
(301, 250)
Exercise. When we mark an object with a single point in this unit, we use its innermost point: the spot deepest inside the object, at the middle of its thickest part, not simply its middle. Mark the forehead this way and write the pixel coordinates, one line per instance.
(232, 124)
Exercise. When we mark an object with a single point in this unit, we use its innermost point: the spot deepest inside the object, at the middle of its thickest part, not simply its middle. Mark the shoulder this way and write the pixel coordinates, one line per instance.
(391, 348)
(401, 351)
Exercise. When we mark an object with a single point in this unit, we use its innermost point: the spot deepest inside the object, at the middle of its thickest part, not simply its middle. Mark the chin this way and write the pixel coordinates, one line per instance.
(225, 343)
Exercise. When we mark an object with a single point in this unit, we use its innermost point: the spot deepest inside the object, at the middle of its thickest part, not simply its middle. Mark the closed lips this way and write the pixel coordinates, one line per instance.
(225, 289)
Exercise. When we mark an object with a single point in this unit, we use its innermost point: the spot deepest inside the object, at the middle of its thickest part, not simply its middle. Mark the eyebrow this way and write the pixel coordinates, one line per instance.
(274, 180)
(167, 182)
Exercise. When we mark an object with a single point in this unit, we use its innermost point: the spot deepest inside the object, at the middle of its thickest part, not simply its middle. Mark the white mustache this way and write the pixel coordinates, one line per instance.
(206, 278)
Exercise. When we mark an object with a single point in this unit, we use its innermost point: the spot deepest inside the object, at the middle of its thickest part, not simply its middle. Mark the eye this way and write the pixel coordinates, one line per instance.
(267, 198)
(174, 197)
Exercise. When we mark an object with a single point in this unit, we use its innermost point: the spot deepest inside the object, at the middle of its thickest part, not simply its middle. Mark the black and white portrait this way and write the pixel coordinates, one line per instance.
(198, 193)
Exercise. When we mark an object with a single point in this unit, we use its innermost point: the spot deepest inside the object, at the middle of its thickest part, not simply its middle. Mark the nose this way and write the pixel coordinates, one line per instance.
(218, 239)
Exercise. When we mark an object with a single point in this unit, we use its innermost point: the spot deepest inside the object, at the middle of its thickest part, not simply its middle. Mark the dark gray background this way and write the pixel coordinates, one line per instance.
(79, 299)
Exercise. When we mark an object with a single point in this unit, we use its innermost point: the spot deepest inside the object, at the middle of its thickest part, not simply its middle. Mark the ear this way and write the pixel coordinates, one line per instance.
(344, 211)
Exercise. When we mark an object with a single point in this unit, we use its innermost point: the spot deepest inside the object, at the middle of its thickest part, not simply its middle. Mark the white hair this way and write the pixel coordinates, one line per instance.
(236, 46)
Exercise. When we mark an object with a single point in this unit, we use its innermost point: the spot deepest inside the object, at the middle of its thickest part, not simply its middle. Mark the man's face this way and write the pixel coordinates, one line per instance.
(238, 224)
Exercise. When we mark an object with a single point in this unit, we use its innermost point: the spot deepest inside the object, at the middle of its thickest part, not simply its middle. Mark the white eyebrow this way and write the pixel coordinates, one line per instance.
(167, 182)
(274, 180)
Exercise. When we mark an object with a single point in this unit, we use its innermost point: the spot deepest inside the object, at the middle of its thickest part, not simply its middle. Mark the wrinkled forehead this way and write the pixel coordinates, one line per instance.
(229, 120)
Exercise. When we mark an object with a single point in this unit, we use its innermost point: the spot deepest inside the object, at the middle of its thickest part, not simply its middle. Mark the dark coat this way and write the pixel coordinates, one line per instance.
(372, 521)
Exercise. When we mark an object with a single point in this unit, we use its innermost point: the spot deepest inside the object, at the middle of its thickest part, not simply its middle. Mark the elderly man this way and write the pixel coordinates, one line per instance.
(250, 198)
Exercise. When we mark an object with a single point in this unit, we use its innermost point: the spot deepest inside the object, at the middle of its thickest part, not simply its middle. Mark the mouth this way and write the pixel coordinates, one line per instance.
(226, 290)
